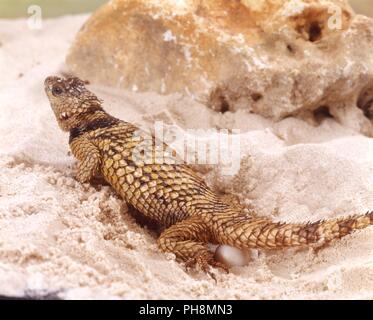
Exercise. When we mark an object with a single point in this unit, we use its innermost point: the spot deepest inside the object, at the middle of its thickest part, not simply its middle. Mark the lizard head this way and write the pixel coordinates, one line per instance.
(71, 101)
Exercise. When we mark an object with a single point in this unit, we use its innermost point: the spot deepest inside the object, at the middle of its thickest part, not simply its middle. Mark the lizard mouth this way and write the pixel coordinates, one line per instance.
(64, 116)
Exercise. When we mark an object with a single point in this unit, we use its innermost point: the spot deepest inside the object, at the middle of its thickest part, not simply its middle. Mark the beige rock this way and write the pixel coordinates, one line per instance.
(276, 58)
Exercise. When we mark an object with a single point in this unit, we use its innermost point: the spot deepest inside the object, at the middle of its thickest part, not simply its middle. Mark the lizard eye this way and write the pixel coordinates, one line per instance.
(57, 90)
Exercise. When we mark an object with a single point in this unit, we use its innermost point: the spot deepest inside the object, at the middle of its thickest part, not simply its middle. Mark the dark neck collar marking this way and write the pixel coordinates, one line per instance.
(91, 126)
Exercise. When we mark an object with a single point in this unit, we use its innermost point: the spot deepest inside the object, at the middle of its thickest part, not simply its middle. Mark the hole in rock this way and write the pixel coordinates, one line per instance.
(368, 109)
(224, 105)
(290, 48)
(322, 113)
(314, 31)
(218, 100)
(256, 96)
(365, 103)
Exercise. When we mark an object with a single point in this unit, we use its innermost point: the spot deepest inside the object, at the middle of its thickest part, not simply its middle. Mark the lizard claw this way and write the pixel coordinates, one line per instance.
(205, 261)
(220, 265)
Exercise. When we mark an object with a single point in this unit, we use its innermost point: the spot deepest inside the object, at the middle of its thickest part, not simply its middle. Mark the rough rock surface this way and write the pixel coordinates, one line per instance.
(276, 58)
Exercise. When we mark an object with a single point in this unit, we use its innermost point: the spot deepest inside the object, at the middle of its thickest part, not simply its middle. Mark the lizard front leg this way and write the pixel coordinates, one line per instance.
(89, 159)
(188, 241)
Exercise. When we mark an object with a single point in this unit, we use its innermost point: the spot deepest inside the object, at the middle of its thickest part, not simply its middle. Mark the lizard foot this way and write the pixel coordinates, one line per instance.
(204, 260)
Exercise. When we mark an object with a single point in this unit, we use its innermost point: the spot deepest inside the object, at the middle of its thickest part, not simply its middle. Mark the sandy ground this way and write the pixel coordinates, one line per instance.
(78, 241)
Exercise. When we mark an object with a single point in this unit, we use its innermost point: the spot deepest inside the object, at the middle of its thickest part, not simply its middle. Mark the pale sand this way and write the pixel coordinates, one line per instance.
(57, 235)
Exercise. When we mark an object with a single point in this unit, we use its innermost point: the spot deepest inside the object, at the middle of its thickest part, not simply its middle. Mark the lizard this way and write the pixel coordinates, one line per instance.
(173, 195)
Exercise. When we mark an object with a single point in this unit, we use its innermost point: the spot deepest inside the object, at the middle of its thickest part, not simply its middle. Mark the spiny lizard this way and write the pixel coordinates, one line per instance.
(172, 194)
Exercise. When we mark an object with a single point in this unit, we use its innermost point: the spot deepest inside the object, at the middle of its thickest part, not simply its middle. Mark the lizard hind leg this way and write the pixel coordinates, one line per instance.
(188, 241)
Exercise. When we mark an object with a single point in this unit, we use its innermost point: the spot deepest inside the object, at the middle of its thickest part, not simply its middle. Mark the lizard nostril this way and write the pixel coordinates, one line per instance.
(47, 80)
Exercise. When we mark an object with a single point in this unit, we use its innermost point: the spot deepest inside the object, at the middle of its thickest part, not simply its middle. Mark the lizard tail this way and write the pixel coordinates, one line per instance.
(266, 234)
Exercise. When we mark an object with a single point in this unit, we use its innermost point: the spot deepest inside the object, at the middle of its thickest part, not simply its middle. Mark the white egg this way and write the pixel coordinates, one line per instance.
(231, 256)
